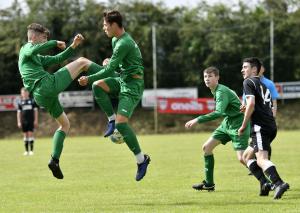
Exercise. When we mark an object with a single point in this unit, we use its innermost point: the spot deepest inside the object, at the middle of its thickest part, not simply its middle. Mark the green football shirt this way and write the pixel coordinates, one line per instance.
(32, 64)
(227, 104)
(126, 57)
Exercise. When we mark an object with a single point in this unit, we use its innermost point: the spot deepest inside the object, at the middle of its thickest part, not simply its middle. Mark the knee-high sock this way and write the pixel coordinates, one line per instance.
(273, 175)
(31, 142)
(26, 144)
(103, 100)
(209, 163)
(93, 68)
(58, 143)
(256, 171)
(129, 137)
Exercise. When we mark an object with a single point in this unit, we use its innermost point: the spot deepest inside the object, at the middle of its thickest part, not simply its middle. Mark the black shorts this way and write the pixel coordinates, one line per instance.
(27, 127)
(262, 137)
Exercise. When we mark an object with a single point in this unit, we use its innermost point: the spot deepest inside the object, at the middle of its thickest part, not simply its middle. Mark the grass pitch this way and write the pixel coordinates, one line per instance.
(100, 177)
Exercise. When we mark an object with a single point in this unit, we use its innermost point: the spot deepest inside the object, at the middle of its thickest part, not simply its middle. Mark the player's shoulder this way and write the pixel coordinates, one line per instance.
(222, 90)
(127, 40)
(252, 81)
(267, 81)
(222, 87)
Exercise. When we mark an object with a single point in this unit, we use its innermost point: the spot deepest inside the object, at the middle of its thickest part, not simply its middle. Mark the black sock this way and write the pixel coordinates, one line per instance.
(273, 175)
(257, 172)
(26, 145)
(31, 144)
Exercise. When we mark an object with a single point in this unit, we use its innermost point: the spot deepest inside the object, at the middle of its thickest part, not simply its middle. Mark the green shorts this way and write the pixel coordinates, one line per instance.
(228, 131)
(47, 89)
(129, 93)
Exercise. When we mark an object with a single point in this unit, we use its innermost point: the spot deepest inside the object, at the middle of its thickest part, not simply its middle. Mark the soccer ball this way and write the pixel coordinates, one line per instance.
(116, 137)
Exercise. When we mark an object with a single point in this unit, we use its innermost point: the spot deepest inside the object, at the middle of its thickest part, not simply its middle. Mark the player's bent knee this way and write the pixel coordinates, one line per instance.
(206, 149)
(82, 60)
(95, 85)
(66, 127)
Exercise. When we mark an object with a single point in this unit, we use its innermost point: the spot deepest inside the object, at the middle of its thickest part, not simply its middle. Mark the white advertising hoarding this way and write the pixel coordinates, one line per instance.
(288, 90)
(149, 97)
(76, 99)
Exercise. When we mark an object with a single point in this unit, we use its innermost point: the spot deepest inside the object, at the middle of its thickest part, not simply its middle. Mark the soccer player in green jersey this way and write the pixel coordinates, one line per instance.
(227, 106)
(128, 87)
(44, 86)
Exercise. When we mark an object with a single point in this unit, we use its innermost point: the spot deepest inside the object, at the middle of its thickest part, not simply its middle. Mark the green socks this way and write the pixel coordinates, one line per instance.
(129, 137)
(209, 169)
(103, 100)
(93, 68)
(58, 143)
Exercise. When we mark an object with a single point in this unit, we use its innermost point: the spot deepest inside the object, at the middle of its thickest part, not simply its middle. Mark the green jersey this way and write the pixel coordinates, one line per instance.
(126, 57)
(32, 65)
(227, 104)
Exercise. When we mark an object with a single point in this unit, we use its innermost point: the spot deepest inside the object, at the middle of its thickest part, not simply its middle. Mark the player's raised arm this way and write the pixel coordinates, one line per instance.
(77, 40)
(56, 59)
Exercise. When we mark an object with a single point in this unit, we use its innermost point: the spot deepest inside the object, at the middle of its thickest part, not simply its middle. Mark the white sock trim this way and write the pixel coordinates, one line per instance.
(140, 158)
(267, 165)
(249, 162)
(112, 117)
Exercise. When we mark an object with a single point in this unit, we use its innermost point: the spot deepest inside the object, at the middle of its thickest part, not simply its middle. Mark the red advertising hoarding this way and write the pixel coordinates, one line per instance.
(185, 105)
(9, 102)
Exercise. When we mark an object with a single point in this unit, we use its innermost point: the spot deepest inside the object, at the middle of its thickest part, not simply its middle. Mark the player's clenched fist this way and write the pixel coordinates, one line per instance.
(83, 81)
(77, 40)
(61, 45)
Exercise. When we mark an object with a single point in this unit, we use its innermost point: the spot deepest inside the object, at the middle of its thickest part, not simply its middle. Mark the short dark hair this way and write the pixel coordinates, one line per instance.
(38, 28)
(113, 16)
(213, 70)
(254, 62)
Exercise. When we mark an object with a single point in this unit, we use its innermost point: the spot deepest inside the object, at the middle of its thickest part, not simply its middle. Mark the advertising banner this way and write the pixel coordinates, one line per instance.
(186, 105)
(9, 102)
(149, 95)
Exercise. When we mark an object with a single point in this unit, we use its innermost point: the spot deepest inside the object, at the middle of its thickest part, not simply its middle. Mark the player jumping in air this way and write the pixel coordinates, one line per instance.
(44, 86)
(128, 87)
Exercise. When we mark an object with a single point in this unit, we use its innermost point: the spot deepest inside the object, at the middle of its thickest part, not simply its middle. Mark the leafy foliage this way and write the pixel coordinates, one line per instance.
(188, 39)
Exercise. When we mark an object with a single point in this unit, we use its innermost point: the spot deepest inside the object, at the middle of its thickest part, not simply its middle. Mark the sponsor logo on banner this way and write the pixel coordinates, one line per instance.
(186, 105)
(288, 90)
(163, 104)
(9, 102)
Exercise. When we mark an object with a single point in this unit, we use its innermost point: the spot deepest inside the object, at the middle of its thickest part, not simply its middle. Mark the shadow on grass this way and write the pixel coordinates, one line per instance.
(263, 202)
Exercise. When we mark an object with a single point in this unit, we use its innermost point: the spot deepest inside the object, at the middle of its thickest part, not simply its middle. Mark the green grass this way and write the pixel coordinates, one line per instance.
(99, 177)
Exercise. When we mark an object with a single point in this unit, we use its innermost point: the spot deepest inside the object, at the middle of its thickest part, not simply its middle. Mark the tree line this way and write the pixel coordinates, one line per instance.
(188, 39)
